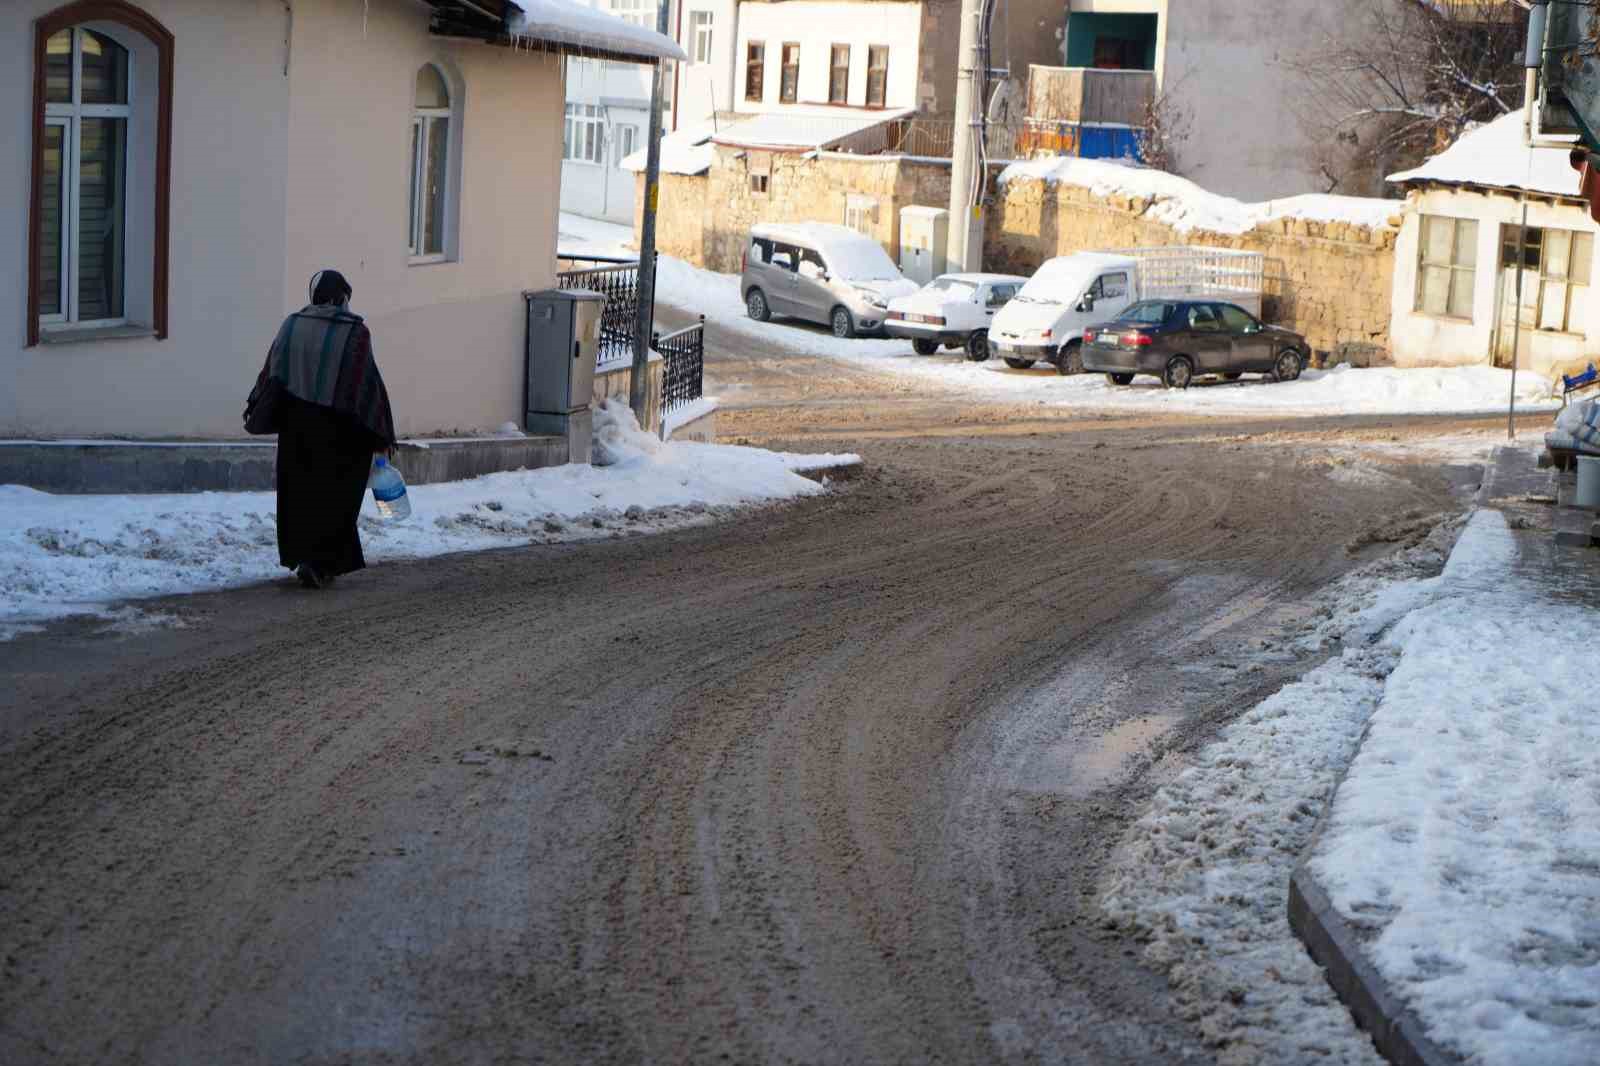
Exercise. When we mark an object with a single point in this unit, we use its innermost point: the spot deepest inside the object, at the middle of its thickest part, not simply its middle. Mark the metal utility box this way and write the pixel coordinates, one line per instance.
(563, 343)
(924, 241)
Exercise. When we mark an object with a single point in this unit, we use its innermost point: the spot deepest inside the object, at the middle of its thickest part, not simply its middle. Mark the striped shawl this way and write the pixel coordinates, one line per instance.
(323, 355)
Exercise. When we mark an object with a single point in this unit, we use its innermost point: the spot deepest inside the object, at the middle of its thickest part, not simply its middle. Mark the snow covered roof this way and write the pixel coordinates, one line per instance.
(799, 129)
(1496, 155)
(685, 151)
(1185, 206)
(577, 26)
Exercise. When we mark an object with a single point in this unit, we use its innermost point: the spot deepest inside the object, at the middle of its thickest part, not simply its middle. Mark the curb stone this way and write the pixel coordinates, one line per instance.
(1333, 942)
(1336, 946)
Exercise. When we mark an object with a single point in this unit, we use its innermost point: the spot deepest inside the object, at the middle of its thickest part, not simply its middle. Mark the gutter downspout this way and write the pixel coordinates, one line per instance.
(677, 70)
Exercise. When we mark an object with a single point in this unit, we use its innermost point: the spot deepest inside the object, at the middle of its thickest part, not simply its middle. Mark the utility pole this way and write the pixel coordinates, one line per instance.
(644, 319)
(966, 220)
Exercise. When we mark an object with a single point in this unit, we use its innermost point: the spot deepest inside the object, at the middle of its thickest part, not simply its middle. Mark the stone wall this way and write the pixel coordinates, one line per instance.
(706, 219)
(1331, 281)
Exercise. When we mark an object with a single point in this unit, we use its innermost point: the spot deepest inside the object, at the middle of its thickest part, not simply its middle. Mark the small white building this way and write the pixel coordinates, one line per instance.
(179, 168)
(1455, 274)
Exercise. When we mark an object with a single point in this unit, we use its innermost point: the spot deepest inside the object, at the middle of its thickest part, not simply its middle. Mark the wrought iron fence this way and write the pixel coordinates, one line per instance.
(684, 355)
(619, 284)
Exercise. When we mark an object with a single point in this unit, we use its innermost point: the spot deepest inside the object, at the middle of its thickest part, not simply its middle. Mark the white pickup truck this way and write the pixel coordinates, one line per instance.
(953, 310)
(1047, 318)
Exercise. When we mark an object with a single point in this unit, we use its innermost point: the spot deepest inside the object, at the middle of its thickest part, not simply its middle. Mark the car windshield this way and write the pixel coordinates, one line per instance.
(1147, 313)
(859, 260)
(956, 290)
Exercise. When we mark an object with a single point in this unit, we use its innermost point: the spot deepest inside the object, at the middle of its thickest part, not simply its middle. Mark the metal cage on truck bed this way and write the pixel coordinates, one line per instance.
(1189, 271)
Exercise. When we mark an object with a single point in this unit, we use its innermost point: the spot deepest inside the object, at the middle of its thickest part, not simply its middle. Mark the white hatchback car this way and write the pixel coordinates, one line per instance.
(953, 310)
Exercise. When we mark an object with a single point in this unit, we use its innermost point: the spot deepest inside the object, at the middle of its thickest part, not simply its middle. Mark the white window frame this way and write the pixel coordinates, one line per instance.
(421, 135)
(69, 116)
(577, 117)
(702, 28)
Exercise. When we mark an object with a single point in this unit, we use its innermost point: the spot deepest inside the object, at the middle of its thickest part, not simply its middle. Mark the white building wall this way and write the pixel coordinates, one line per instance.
(1236, 70)
(817, 25)
(226, 292)
(706, 87)
(1419, 339)
(274, 178)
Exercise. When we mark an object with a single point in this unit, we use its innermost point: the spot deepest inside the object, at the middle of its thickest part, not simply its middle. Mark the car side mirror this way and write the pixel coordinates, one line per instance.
(1086, 304)
(1254, 327)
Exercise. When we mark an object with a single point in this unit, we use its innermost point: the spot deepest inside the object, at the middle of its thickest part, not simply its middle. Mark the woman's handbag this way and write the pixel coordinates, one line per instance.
(263, 411)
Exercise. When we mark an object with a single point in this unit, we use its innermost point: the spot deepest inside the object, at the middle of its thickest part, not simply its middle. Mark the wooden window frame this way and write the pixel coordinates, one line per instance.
(147, 26)
(843, 96)
(788, 97)
(759, 66)
(883, 84)
(1424, 264)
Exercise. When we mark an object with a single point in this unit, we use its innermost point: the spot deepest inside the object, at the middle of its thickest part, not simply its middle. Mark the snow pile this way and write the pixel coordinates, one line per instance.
(1495, 154)
(64, 555)
(1202, 876)
(1466, 836)
(566, 22)
(686, 151)
(1187, 207)
(617, 436)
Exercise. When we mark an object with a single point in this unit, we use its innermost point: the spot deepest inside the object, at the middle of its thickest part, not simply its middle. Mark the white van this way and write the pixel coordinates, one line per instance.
(820, 272)
(1067, 294)
(1046, 319)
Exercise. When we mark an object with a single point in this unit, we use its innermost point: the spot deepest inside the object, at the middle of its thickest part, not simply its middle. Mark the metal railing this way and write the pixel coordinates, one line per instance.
(684, 355)
(619, 284)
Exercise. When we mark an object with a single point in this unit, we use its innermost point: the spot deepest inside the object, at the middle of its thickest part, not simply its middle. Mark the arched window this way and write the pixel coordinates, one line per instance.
(430, 165)
(83, 205)
(97, 230)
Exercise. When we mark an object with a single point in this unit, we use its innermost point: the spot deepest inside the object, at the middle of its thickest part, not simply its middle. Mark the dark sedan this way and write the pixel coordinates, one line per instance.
(1179, 340)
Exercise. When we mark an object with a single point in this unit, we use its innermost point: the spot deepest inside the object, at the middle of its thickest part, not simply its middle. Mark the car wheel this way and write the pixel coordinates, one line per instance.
(1070, 359)
(756, 304)
(1121, 379)
(1019, 364)
(1287, 368)
(1179, 372)
(924, 347)
(843, 325)
(1232, 375)
(978, 346)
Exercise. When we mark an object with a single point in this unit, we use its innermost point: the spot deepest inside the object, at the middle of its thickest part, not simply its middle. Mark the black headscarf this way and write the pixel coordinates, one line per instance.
(329, 287)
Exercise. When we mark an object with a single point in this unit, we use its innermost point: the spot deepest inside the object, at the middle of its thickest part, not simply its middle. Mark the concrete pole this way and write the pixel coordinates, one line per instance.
(966, 223)
(644, 320)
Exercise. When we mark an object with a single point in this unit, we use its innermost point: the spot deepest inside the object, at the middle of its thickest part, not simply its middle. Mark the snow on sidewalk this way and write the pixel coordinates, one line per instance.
(1466, 836)
(65, 555)
(1461, 711)
(1202, 877)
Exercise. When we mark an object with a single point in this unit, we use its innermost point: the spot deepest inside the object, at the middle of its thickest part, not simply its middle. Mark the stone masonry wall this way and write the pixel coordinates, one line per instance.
(1328, 280)
(706, 219)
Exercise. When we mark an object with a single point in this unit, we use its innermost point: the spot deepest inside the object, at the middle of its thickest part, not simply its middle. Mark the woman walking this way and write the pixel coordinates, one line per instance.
(321, 392)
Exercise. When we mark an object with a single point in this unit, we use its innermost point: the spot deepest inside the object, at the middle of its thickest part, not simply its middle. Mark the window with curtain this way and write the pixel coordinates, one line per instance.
(789, 83)
(430, 164)
(83, 204)
(877, 74)
(839, 75)
(755, 69)
(1447, 266)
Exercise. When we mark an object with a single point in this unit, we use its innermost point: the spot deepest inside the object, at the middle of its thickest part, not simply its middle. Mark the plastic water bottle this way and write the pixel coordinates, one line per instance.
(389, 491)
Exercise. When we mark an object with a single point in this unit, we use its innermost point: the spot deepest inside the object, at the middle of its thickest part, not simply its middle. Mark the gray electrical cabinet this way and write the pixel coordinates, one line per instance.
(563, 343)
